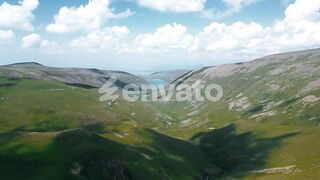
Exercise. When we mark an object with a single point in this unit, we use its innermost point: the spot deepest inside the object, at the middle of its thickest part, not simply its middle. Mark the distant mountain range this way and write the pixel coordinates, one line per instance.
(81, 76)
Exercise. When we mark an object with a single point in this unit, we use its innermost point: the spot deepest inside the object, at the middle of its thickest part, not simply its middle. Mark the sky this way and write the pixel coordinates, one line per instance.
(154, 35)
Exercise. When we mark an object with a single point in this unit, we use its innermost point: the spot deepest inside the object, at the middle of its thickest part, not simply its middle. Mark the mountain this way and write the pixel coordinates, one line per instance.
(76, 76)
(266, 126)
(271, 87)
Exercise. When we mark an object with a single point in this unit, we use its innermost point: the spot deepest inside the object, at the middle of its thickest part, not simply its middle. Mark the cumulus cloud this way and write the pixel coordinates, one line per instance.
(31, 41)
(18, 16)
(87, 17)
(232, 7)
(177, 6)
(6, 36)
(221, 37)
(166, 38)
(104, 39)
(237, 5)
(184, 6)
(170, 37)
(35, 41)
(300, 29)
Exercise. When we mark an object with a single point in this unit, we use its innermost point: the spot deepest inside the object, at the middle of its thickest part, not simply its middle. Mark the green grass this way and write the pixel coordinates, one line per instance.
(48, 127)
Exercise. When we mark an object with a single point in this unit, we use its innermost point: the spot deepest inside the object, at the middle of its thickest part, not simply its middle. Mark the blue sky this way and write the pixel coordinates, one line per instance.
(149, 35)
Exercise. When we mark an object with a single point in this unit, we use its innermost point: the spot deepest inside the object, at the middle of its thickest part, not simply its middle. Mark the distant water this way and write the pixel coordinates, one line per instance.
(158, 82)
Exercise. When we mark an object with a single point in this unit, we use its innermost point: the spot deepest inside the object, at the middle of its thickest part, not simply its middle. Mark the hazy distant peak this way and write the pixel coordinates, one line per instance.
(27, 63)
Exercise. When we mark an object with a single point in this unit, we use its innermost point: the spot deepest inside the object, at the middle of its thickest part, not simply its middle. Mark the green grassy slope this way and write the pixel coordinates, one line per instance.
(50, 130)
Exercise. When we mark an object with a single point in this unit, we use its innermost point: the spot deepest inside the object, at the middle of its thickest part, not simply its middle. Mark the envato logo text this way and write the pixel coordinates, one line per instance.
(187, 91)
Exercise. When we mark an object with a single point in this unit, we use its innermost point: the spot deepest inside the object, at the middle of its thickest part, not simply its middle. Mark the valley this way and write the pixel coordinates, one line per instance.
(267, 125)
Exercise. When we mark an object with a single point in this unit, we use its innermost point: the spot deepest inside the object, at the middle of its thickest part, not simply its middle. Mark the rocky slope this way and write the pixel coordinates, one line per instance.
(282, 85)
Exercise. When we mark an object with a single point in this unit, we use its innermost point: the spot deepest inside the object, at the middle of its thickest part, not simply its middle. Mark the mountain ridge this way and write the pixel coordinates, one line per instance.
(266, 59)
(86, 76)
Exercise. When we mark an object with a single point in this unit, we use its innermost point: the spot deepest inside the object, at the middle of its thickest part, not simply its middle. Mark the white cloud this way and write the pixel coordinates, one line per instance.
(87, 17)
(166, 38)
(301, 11)
(6, 36)
(221, 37)
(232, 7)
(18, 16)
(31, 40)
(238, 4)
(34, 41)
(104, 39)
(183, 6)
(300, 29)
(177, 6)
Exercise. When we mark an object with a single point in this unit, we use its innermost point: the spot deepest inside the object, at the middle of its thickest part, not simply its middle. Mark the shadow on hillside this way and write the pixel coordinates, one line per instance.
(7, 85)
(85, 154)
(61, 158)
(11, 136)
(101, 158)
(235, 154)
(176, 158)
(13, 163)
